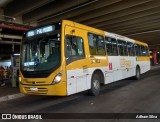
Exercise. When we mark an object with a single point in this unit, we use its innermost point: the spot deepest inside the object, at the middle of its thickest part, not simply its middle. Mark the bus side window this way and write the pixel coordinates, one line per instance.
(125, 51)
(133, 49)
(74, 46)
(92, 44)
(80, 46)
(143, 51)
(140, 52)
(96, 44)
(130, 47)
(109, 47)
(68, 46)
(122, 48)
(138, 49)
(114, 47)
(100, 45)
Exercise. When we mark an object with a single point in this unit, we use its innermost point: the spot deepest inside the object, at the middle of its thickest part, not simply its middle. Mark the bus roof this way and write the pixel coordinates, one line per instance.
(141, 43)
(117, 36)
(98, 31)
(84, 27)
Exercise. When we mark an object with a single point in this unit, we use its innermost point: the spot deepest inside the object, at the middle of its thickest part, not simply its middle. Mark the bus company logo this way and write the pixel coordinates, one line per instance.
(125, 62)
(6, 116)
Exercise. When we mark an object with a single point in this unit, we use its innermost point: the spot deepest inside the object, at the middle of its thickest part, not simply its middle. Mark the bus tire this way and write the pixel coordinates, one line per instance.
(95, 85)
(137, 76)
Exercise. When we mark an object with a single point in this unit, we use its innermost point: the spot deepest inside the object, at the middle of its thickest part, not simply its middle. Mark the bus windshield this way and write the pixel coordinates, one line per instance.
(40, 53)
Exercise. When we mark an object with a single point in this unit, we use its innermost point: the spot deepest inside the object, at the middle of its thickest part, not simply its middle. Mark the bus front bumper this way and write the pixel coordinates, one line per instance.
(48, 90)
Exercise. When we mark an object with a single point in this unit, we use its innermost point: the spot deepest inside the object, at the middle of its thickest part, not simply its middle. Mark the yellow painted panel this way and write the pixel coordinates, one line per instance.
(46, 83)
(56, 89)
(84, 27)
(143, 58)
(98, 61)
(141, 43)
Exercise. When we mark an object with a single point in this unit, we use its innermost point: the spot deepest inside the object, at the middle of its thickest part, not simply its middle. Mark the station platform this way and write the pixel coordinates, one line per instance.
(8, 89)
(8, 92)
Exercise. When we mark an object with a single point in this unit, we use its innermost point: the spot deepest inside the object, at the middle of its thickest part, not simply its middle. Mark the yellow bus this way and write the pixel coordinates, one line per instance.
(65, 58)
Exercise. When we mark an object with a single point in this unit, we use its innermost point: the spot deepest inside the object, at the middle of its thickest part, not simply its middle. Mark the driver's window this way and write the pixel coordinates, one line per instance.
(74, 46)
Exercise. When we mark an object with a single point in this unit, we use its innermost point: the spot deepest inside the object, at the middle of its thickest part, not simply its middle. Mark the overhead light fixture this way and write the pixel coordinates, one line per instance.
(16, 54)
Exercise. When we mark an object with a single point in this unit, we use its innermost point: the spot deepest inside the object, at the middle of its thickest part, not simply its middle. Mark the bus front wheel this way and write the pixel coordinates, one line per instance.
(95, 85)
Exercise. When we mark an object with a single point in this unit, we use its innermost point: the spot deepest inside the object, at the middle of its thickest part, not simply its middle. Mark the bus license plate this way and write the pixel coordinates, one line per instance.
(34, 89)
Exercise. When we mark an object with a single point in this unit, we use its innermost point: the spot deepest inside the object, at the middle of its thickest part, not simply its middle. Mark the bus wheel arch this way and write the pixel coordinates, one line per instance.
(101, 74)
(96, 80)
(138, 72)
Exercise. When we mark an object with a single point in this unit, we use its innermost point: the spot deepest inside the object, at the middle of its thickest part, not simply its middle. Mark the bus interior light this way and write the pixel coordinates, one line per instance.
(58, 78)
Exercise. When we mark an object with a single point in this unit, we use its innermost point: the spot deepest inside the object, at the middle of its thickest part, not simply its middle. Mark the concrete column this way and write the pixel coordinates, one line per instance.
(1, 14)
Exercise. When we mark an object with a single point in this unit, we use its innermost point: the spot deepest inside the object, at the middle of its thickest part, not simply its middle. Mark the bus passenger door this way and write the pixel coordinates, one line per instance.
(76, 65)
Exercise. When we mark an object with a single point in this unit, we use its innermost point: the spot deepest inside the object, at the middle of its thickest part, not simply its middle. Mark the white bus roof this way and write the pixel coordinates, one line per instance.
(116, 36)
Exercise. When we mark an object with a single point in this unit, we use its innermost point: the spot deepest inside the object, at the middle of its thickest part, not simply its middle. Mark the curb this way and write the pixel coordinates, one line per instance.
(11, 97)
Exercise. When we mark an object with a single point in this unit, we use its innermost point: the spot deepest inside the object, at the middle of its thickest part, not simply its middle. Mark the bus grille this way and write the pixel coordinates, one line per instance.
(34, 82)
(39, 91)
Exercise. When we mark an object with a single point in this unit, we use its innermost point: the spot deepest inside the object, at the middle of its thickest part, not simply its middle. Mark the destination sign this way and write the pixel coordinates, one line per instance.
(41, 30)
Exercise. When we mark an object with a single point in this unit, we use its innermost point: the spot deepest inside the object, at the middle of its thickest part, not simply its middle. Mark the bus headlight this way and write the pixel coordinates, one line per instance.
(20, 79)
(58, 78)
